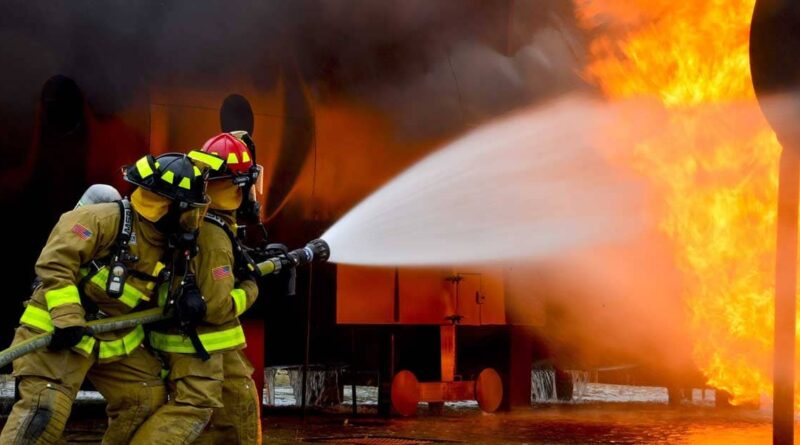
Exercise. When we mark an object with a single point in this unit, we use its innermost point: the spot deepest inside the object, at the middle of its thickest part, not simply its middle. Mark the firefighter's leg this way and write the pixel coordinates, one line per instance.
(239, 420)
(48, 384)
(134, 390)
(195, 390)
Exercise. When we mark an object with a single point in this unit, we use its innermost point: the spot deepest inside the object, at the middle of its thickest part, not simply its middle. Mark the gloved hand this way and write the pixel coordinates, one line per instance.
(190, 308)
(65, 338)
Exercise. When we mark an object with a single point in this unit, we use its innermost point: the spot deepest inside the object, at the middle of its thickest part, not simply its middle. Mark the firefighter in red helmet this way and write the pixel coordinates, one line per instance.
(231, 407)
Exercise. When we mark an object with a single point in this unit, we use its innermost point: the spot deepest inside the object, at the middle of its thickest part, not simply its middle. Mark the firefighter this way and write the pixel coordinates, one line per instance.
(232, 190)
(210, 383)
(103, 260)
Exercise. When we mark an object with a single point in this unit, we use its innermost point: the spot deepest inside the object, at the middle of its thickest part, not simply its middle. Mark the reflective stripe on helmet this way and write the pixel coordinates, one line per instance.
(239, 299)
(212, 341)
(168, 177)
(144, 167)
(186, 183)
(65, 295)
(232, 158)
(122, 346)
(37, 318)
(214, 162)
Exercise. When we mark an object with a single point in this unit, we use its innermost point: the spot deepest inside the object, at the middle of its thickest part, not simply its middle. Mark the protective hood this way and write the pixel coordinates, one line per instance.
(224, 195)
(151, 206)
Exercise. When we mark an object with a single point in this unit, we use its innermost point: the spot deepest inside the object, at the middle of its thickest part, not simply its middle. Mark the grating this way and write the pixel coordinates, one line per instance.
(374, 440)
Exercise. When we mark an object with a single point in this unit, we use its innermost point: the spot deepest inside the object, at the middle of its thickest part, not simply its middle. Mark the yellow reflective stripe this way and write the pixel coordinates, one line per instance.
(86, 344)
(66, 295)
(212, 341)
(122, 346)
(245, 156)
(130, 295)
(144, 167)
(163, 293)
(168, 177)
(232, 159)
(208, 159)
(239, 299)
(185, 184)
(38, 318)
(156, 270)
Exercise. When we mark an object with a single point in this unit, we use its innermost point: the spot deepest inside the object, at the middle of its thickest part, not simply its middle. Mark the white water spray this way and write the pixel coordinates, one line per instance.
(526, 186)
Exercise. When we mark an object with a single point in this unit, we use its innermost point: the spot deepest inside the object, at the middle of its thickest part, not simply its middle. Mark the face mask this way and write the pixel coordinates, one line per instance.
(177, 220)
(191, 219)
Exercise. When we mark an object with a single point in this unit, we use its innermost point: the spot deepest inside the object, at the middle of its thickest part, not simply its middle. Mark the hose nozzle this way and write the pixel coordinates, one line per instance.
(315, 251)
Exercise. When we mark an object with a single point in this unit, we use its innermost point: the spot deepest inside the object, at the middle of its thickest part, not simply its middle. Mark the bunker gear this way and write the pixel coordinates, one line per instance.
(125, 373)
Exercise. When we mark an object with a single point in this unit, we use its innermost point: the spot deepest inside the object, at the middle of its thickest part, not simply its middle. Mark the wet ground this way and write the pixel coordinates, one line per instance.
(562, 424)
(605, 414)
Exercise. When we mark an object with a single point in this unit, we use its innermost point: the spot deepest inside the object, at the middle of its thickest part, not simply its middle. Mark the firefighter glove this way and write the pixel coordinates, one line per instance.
(191, 306)
(65, 338)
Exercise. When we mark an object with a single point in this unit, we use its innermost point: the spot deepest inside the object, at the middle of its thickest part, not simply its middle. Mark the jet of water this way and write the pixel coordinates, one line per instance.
(526, 186)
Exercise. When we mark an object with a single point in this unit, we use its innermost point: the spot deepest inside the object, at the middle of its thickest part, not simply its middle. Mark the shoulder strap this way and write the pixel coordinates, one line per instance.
(219, 222)
(125, 224)
(238, 253)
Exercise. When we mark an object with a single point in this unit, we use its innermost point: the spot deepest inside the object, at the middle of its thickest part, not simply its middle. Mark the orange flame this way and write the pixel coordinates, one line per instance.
(714, 167)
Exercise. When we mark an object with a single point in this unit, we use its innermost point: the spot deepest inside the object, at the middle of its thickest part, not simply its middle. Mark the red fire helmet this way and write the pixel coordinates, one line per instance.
(231, 149)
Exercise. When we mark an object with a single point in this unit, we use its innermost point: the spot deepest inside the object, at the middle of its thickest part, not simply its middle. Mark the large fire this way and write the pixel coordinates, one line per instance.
(714, 167)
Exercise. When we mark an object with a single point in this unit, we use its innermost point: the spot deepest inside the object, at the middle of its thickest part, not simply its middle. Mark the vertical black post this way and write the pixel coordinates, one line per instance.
(353, 370)
(304, 390)
(386, 371)
(785, 300)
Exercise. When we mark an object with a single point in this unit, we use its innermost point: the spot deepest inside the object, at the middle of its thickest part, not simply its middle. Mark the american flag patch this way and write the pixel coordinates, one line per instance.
(221, 272)
(82, 232)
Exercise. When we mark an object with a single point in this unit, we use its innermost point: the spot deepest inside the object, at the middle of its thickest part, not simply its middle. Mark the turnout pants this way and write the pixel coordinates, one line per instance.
(239, 420)
(49, 382)
(195, 389)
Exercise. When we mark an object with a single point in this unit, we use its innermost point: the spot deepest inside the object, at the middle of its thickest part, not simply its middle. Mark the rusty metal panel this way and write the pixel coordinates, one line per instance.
(524, 289)
(365, 295)
(425, 296)
(479, 297)
(493, 298)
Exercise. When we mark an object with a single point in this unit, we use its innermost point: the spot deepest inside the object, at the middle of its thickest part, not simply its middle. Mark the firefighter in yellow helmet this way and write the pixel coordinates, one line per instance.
(210, 379)
(103, 260)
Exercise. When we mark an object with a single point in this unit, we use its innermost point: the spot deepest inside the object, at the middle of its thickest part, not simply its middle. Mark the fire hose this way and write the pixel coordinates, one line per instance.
(126, 321)
(316, 250)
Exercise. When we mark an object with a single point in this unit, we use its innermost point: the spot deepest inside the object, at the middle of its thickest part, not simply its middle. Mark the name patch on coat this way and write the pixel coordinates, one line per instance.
(82, 232)
(221, 272)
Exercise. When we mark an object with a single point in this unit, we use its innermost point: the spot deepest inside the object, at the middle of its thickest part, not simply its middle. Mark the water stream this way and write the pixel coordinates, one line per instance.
(525, 186)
